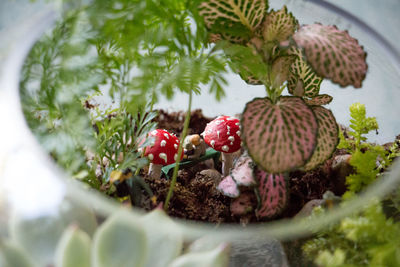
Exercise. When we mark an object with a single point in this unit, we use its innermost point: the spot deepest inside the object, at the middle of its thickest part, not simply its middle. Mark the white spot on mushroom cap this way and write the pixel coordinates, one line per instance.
(230, 118)
(166, 135)
(176, 146)
(218, 122)
(238, 133)
(150, 156)
(218, 132)
(154, 132)
(231, 138)
(163, 143)
(212, 143)
(229, 128)
(237, 124)
(163, 156)
(225, 148)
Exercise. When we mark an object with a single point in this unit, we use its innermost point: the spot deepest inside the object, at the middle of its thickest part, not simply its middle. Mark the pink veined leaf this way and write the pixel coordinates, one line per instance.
(319, 100)
(328, 137)
(228, 187)
(333, 54)
(279, 25)
(273, 193)
(279, 137)
(242, 172)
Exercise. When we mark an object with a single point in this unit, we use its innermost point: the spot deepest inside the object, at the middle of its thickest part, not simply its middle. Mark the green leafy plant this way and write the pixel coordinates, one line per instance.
(364, 156)
(368, 238)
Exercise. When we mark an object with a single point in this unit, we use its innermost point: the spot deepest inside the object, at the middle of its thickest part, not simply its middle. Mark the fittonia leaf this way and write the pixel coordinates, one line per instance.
(279, 136)
(273, 193)
(279, 25)
(302, 80)
(333, 54)
(319, 100)
(233, 18)
(328, 137)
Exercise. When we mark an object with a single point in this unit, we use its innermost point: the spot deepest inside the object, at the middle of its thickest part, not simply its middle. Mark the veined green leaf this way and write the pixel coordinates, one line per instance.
(302, 80)
(273, 193)
(279, 136)
(279, 25)
(328, 137)
(319, 100)
(333, 54)
(235, 20)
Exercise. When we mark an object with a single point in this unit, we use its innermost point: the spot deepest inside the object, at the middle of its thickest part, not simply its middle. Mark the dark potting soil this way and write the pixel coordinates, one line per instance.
(196, 197)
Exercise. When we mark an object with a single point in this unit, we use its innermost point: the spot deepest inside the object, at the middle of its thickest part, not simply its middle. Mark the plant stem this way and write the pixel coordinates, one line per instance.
(180, 150)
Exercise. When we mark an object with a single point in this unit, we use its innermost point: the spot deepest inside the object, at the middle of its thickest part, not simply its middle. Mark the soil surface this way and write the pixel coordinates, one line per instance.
(196, 197)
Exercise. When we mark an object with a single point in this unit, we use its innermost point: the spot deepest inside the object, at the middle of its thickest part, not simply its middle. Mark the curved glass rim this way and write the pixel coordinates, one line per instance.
(280, 229)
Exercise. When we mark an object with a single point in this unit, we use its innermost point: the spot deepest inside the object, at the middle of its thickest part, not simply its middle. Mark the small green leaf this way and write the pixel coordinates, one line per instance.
(279, 137)
(73, 249)
(319, 100)
(333, 54)
(234, 20)
(328, 137)
(273, 193)
(120, 241)
(302, 80)
(279, 25)
(13, 256)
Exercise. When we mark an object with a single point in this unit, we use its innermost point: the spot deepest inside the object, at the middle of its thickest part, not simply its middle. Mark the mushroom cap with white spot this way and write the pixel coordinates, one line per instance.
(164, 149)
(222, 134)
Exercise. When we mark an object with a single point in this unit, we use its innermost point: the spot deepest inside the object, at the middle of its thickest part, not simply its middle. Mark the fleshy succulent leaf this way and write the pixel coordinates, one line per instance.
(281, 70)
(168, 244)
(120, 241)
(235, 20)
(279, 137)
(73, 249)
(302, 80)
(273, 193)
(279, 25)
(242, 172)
(228, 187)
(319, 100)
(328, 137)
(333, 54)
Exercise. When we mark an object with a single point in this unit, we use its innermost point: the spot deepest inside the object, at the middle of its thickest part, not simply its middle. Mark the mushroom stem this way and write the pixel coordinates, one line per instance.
(155, 171)
(227, 162)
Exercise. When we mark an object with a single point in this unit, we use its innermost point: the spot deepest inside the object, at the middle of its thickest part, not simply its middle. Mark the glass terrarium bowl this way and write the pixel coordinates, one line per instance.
(38, 201)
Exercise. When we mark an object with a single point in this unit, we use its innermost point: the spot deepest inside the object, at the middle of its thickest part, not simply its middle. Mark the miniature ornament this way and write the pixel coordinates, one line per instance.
(163, 151)
(223, 134)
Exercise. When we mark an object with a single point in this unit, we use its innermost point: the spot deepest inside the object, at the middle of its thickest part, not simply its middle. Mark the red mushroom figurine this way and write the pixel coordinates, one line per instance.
(163, 152)
(223, 134)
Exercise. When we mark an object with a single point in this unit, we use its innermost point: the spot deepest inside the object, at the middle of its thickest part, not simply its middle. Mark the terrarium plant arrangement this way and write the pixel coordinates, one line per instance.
(226, 169)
